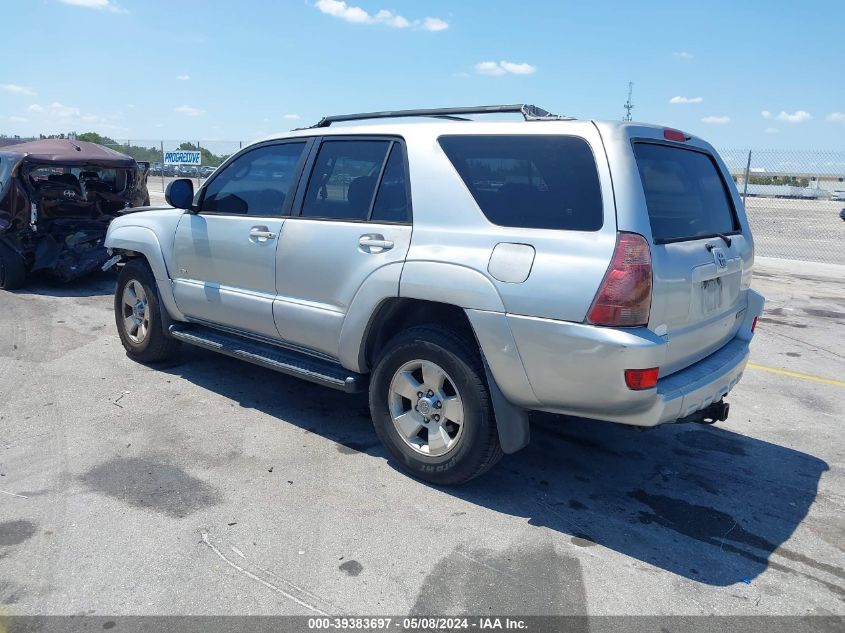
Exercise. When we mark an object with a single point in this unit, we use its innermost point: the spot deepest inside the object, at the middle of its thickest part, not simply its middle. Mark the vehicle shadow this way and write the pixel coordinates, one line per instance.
(702, 502)
(94, 285)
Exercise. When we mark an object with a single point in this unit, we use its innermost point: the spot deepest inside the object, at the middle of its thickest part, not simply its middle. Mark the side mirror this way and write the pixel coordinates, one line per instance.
(180, 193)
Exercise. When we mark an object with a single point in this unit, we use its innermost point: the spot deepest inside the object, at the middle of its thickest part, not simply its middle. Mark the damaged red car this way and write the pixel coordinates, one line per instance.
(57, 198)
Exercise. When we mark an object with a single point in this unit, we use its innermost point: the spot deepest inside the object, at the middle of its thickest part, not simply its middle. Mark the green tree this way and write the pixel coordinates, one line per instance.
(207, 157)
(149, 154)
(93, 137)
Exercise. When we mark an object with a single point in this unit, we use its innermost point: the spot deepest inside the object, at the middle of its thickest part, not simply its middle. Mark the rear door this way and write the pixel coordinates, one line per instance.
(699, 250)
(352, 221)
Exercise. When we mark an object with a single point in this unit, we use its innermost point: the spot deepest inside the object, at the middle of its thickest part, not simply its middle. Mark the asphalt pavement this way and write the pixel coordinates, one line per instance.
(209, 486)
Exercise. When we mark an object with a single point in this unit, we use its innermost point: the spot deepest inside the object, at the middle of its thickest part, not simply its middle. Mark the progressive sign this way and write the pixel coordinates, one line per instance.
(182, 157)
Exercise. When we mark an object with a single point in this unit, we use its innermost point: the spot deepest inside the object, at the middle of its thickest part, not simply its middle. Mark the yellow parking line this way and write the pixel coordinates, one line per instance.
(798, 374)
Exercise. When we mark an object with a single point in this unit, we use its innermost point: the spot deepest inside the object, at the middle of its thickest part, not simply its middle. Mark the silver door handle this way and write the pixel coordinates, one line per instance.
(375, 242)
(260, 233)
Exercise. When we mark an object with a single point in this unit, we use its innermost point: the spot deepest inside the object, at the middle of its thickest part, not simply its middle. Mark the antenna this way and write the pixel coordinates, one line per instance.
(629, 105)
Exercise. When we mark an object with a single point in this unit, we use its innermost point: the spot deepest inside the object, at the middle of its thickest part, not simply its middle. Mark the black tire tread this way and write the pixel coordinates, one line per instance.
(159, 346)
(13, 274)
(468, 352)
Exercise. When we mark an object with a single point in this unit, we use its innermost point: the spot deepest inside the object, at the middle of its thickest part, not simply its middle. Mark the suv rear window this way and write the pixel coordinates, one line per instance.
(685, 193)
(537, 182)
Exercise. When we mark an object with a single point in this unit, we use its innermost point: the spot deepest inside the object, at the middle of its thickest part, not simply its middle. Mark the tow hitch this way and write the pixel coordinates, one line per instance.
(716, 412)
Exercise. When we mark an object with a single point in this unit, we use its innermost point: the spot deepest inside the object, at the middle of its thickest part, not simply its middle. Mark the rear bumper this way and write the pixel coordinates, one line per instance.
(692, 389)
(578, 369)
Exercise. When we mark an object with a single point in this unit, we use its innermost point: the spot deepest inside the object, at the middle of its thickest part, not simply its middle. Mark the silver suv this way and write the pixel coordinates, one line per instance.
(464, 271)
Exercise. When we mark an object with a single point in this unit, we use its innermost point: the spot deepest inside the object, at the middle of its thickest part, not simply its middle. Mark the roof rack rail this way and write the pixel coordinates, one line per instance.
(529, 112)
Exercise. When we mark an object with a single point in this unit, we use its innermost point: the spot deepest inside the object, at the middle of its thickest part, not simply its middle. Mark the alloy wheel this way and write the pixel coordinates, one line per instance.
(136, 315)
(426, 408)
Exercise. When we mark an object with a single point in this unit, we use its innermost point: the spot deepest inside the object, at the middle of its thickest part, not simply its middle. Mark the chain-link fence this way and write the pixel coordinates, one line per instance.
(793, 200)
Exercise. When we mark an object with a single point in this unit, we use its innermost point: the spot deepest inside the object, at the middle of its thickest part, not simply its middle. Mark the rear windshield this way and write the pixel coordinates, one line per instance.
(685, 193)
(91, 177)
(538, 182)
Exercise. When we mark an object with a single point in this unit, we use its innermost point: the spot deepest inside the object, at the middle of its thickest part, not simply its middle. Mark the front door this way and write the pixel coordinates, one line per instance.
(225, 269)
(353, 227)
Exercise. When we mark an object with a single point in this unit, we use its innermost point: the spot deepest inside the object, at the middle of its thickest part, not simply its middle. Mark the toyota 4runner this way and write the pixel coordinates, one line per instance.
(465, 272)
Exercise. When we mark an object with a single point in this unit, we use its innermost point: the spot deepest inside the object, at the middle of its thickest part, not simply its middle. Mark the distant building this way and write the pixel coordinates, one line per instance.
(789, 184)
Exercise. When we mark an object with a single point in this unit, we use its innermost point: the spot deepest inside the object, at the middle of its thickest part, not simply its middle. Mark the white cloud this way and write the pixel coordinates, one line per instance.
(500, 68)
(188, 110)
(680, 99)
(339, 9)
(434, 24)
(183, 77)
(518, 69)
(716, 120)
(56, 110)
(489, 68)
(106, 5)
(799, 116)
(391, 19)
(836, 117)
(766, 114)
(356, 15)
(17, 90)
(771, 130)
(291, 116)
(682, 55)
(66, 115)
(16, 119)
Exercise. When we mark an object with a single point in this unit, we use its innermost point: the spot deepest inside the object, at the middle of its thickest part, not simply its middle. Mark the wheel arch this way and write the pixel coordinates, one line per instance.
(400, 313)
(142, 242)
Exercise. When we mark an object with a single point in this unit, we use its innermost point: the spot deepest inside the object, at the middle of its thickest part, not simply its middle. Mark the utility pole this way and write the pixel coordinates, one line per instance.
(629, 104)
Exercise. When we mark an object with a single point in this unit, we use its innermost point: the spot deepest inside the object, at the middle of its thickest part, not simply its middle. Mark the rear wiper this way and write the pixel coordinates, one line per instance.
(727, 239)
(724, 237)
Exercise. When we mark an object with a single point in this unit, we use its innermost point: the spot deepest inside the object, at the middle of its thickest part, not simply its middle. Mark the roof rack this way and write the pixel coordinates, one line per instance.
(529, 112)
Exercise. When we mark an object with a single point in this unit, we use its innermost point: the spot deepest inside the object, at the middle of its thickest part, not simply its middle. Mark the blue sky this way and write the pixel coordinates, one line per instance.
(760, 74)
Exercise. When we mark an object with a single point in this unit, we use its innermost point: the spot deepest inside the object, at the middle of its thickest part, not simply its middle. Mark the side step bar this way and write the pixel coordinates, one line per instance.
(286, 361)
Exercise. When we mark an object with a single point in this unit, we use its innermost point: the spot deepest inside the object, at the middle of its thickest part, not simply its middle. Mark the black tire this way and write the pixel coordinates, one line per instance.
(155, 345)
(478, 449)
(12, 269)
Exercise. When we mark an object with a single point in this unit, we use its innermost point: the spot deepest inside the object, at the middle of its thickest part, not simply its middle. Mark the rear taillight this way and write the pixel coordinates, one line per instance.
(754, 325)
(639, 379)
(624, 297)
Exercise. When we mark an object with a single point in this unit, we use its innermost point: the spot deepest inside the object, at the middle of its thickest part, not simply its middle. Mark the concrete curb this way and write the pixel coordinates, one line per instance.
(794, 267)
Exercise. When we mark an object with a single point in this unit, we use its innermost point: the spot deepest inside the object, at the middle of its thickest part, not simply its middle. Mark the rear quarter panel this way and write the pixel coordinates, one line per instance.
(451, 233)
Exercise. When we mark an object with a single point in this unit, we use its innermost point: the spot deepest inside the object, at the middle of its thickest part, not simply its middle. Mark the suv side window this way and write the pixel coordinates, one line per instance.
(256, 183)
(528, 181)
(344, 178)
(392, 198)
